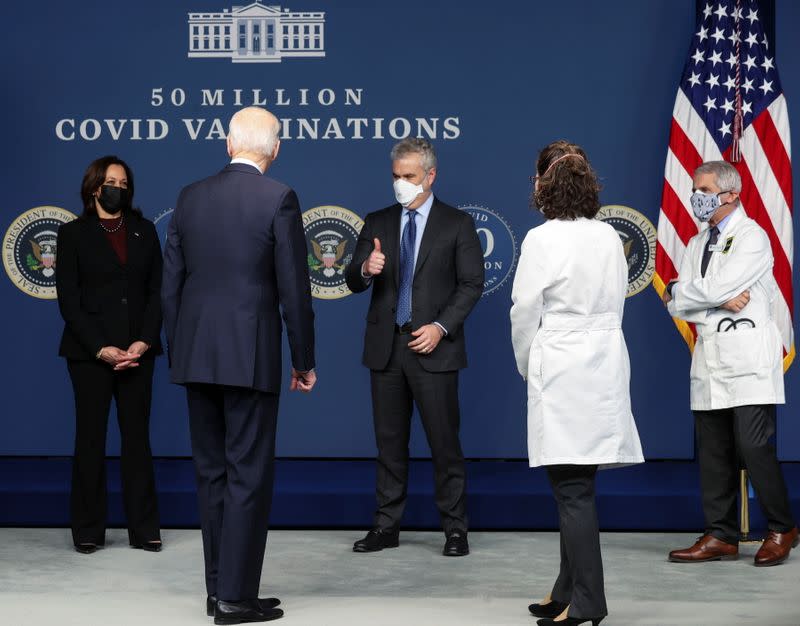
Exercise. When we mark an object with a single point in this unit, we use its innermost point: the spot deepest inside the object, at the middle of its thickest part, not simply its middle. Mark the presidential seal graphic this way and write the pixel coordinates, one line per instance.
(161, 222)
(331, 235)
(29, 250)
(499, 246)
(638, 237)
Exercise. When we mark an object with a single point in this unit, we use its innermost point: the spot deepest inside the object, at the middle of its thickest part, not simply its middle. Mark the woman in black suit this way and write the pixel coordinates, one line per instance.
(108, 279)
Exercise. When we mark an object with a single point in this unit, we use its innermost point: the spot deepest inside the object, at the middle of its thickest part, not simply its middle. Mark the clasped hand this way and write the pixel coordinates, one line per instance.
(123, 359)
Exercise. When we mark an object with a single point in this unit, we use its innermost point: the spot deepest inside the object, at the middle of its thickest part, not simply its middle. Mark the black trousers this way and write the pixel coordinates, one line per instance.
(580, 579)
(723, 438)
(95, 384)
(394, 391)
(233, 445)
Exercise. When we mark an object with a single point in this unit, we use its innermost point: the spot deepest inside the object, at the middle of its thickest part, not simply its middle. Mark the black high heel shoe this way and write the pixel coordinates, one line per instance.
(570, 621)
(551, 609)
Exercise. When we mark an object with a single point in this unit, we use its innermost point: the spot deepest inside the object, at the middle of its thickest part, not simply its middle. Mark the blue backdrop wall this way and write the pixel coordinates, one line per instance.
(492, 85)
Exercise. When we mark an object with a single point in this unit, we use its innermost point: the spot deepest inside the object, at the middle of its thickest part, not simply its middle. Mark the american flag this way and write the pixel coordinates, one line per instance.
(730, 106)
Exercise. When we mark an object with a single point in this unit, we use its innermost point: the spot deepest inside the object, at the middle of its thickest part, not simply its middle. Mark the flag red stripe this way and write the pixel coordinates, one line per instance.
(676, 213)
(683, 148)
(776, 153)
(756, 210)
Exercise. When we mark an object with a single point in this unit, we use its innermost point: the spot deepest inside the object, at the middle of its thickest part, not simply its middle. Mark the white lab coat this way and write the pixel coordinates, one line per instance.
(569, 294)
(743, 365)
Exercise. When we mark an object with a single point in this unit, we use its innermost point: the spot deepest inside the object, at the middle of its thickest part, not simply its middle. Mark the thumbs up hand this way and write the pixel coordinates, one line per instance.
(373, 266)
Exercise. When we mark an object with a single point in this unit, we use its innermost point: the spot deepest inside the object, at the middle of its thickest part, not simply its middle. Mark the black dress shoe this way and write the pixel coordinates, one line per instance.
(148, 546)
(377, 539)
(86, 548)
(245, 612)
(552, 609)
(266, 603)
(456, 544)
(570, 621)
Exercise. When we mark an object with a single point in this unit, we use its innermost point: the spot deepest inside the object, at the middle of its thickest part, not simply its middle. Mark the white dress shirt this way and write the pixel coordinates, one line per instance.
(422, 212)
(420, 221)
(246, 162)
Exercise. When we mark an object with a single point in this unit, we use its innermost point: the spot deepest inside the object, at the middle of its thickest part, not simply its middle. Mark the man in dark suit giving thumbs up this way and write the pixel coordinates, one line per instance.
(376, 260)
(424, 262)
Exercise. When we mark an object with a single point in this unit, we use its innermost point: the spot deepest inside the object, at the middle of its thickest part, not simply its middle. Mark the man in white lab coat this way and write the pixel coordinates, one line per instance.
(727, 289)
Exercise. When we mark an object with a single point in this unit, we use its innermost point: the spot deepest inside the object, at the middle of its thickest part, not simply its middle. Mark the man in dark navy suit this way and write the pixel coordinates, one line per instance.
(235, 259)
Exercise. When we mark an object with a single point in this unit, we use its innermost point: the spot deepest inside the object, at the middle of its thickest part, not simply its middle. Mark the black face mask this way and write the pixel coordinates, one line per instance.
(114, 199)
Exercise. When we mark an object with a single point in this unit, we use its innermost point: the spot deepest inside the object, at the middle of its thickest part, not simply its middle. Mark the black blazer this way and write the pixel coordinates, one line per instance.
(448, 281)
(235, 259)
(103, 302)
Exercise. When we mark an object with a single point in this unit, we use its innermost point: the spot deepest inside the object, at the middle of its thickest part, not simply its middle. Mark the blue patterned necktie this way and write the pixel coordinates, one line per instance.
(407, 243)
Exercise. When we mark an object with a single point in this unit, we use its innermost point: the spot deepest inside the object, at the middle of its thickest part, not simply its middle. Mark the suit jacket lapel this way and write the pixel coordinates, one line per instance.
(432, 227)
(134, 239)
(730, 230)
(718, 256)
(392, 244)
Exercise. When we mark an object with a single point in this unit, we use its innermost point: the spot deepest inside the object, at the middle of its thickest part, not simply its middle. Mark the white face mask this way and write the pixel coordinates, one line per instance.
(406, 192)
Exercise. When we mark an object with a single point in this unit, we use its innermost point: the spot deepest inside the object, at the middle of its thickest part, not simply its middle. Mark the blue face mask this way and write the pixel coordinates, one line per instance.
(704, 205)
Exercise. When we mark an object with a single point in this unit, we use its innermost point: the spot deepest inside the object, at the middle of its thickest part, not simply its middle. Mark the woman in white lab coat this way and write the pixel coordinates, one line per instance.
(568, 298)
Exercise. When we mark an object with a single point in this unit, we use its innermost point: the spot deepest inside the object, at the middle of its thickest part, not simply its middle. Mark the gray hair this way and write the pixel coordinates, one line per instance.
(415, 145)
(725, 175)
(254, 130)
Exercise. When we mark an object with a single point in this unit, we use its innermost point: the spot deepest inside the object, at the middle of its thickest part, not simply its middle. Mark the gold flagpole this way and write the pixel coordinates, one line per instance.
(744, 511)
(745, 536)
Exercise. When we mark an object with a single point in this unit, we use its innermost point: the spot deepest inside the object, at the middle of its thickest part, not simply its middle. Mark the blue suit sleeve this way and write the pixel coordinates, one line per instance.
(294, 286)
(174, 274)
(151, 326)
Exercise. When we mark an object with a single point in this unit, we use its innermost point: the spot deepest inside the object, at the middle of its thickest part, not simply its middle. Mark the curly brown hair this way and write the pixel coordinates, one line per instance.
(567, 185)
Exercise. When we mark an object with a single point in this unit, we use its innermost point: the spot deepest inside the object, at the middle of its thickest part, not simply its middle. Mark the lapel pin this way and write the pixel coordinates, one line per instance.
(135, 234)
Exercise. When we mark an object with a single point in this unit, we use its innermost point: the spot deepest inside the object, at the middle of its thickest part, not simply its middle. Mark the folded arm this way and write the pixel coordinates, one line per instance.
(751, 258)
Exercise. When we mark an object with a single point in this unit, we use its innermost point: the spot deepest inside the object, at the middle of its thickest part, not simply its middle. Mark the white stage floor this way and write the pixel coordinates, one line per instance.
(320, 581)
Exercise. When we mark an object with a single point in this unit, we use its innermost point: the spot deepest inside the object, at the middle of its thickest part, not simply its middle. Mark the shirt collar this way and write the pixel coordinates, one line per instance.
(423, 210)
(724, 222)
(246, 162)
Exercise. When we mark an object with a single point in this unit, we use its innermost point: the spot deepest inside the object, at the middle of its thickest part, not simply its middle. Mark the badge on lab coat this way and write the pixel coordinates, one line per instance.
(721, 247)
(728, 244)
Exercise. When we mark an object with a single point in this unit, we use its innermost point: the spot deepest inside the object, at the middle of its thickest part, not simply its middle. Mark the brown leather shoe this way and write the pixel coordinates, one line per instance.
(707, 548)
(776, 548)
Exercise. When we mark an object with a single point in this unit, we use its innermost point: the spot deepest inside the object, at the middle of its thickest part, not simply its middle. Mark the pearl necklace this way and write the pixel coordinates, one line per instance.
(116, 228)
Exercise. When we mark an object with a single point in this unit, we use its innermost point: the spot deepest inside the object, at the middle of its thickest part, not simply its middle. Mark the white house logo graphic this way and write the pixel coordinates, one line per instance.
(257, 33)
